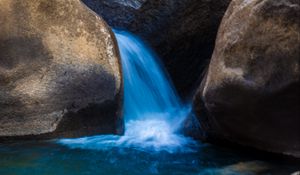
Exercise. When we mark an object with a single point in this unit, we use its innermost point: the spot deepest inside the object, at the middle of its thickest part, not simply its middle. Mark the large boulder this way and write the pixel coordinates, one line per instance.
(182, 32)
(251, 92)
(59, 71)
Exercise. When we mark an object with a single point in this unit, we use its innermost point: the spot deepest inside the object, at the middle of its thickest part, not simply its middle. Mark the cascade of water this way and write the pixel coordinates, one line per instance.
(148, 92)
(153, 111)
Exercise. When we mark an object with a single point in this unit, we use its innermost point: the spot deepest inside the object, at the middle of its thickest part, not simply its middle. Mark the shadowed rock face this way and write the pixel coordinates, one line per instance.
(182, 32)
(59, 71)
(251, 92)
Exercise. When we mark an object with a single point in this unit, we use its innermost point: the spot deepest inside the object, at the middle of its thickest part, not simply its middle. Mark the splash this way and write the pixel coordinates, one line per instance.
(153, 112)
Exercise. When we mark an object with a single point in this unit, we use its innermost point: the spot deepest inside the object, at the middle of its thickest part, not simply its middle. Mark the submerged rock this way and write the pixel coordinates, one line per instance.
(59, 71)
(251, 92)
(242, 168)
(182, 32)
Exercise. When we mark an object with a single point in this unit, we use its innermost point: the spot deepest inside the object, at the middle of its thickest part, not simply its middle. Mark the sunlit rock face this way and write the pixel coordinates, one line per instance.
(59, 71)
(182, 32)
(251, 91)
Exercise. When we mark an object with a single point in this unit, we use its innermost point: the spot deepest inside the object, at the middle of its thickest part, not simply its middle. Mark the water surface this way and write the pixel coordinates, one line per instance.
(49, 158)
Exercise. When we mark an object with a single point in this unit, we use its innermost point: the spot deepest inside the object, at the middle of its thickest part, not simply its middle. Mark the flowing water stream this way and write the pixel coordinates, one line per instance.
(152, 143)
(153, 112)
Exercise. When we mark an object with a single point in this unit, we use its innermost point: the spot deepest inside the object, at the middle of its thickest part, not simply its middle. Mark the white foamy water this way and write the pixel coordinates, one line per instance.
(153, 112)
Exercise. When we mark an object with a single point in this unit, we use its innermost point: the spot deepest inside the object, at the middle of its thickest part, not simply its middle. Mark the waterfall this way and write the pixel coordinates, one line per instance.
(148, 93)
(153, 112)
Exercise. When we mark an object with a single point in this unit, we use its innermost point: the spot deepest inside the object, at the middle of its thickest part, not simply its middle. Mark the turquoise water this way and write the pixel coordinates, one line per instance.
(152, 142)
(49, 158)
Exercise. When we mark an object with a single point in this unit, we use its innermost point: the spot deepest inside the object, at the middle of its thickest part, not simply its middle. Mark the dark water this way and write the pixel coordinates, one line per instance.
(47, 158)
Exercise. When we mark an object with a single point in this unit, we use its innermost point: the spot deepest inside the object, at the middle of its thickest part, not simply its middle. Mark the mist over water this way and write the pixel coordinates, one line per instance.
(153, 112)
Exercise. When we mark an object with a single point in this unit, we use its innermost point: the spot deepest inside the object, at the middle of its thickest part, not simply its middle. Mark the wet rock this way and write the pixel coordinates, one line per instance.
(181, 32)
(251, 92)
(59, 71)
(241, 168)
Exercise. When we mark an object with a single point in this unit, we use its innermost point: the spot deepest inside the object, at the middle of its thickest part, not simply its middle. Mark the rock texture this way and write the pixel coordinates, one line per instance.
(251, 91)
(182, 32)
(59, 71)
